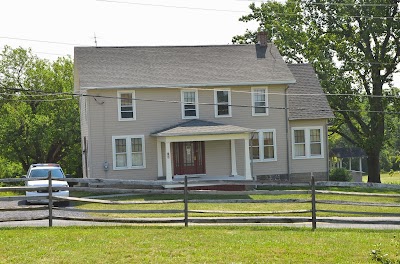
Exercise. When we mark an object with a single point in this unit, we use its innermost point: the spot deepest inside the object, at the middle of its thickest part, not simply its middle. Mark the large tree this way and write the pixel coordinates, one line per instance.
(39, 116)
(354, 46)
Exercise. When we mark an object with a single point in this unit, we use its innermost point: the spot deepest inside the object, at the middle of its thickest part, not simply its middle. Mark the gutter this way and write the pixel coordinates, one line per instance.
(188, 85)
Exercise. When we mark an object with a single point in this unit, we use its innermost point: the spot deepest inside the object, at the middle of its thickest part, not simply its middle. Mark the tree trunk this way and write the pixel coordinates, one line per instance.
(374, 169)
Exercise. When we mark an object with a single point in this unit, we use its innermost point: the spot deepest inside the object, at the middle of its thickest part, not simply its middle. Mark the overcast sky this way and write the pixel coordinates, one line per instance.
(53, 27)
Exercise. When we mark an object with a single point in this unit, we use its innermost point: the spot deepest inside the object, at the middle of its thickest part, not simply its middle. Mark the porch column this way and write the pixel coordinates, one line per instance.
(360, 162)
(247, 161)
(168, 163)
(233, 158)
(159, 159)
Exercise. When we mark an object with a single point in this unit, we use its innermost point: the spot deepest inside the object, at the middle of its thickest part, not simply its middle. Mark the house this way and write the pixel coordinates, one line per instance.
(160, 112)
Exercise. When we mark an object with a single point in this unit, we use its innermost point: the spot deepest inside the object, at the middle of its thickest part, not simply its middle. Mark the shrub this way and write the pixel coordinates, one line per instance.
(340, 174)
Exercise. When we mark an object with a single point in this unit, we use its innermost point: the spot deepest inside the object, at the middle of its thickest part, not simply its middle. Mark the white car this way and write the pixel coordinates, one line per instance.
(41, 171)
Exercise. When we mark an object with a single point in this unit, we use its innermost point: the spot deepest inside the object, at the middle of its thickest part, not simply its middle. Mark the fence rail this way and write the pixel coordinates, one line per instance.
(191, 215)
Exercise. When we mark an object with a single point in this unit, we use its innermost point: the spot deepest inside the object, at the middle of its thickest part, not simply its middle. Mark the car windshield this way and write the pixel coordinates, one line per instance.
(42, 173)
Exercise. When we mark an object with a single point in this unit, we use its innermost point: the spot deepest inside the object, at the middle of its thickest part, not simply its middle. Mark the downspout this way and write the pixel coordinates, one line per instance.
(327, 149)
(288, 163)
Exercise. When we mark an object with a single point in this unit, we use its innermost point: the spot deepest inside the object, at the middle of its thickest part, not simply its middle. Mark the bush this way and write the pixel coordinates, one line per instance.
(340, 174)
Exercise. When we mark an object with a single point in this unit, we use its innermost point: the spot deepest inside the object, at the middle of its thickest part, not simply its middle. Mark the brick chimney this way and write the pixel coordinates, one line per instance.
(262, 38)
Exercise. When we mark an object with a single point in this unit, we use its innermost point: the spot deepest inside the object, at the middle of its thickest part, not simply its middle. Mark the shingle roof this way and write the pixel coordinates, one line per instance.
(200, 127)
(308, 100)
(179, 66)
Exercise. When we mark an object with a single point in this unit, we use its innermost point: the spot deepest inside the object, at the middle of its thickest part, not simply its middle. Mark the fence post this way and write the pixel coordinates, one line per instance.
(185, 200)
(313, 206)
(50, 192)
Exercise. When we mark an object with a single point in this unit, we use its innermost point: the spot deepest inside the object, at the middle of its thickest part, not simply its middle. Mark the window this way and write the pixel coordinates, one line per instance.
(263, 145)
(259, 101)
(307, 142)
(189, 104)
(128, 152)
(126, 106)
(222, 101)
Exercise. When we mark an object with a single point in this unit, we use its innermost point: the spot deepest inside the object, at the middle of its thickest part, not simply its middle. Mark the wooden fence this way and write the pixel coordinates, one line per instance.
(134, 187)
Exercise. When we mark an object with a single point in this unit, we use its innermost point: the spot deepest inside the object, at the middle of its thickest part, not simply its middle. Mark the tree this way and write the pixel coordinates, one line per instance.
(40, 117)
(354, 46)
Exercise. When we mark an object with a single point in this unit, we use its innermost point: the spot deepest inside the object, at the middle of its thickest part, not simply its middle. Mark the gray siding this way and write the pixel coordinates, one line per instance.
(161, 113)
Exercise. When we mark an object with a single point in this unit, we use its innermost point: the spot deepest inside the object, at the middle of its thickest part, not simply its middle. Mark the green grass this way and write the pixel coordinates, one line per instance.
(153, 244)
(256, 207)
(387, 178)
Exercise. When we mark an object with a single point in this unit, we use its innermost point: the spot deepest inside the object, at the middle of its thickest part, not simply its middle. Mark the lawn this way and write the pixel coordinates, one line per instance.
(151, 244)
(388, 178)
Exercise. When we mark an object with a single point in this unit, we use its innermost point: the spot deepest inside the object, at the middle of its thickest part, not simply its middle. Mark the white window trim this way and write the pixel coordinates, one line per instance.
(308, 143)
(253, 103)
(128, 139)
(133, 105)
(229, 102)
(261, 145)
(196, 104)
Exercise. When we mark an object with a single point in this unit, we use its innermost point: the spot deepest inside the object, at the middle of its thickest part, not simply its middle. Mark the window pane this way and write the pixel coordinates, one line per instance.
(127, 114)
(189, 97)
(316, 149)
(136, 144)
(268, 138)
(260, 107)
(120, 145)
(255, 146)
(222, 96)
(121, 160)
(223, 110)
(137, 159)
(126, 99)
(269, 152)
(315, 135)
(299, 136)
(190, 112)
(299, 150)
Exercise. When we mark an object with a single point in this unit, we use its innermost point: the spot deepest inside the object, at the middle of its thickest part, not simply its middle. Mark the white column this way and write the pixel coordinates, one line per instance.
(168, 162)
(159, 159)
(350, 164)
(247, 159)
(360, 161)
(233, 158)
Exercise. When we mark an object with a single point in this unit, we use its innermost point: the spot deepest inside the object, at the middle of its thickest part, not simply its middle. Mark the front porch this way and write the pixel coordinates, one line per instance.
(181, 151)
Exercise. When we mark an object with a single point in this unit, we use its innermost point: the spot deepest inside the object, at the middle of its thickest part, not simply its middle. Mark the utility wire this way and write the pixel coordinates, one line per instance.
(235, 11)
(324, 3)
(208, 104)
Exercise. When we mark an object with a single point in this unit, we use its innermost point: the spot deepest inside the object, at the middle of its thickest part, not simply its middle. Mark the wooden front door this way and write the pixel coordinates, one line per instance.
(189, 158)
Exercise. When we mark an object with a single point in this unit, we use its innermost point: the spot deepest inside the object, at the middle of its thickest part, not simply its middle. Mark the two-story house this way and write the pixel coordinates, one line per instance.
(151, 113)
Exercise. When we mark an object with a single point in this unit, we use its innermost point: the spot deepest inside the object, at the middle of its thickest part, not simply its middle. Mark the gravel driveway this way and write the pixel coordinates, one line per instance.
(27, 215)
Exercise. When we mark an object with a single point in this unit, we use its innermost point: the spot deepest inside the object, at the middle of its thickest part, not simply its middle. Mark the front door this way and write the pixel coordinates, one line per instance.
(189, 158)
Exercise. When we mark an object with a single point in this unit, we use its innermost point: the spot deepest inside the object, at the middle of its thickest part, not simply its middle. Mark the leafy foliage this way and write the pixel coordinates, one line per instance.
(40, 118)
(384, 258)
(354, 47)
(340, 174)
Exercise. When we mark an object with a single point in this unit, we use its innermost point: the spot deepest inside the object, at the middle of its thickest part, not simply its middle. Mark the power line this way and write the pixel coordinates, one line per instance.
(172, 6)
(325, 3)
(42, 41)
(207, 104)
(234, 11)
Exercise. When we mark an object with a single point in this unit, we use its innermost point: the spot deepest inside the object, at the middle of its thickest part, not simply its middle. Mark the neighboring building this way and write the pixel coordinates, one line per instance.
(153, 113)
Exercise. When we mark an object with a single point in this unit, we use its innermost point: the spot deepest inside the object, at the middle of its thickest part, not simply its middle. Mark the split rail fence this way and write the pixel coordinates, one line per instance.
(184, 192)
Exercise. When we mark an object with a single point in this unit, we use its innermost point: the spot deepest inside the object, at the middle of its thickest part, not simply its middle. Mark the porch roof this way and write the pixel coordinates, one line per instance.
(200, 127)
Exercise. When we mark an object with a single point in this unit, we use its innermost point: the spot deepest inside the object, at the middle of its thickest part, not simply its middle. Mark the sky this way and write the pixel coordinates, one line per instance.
(51, 28)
